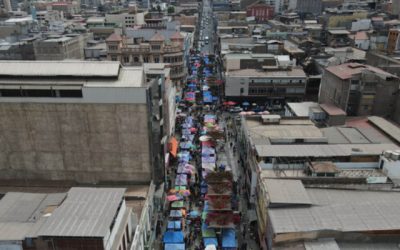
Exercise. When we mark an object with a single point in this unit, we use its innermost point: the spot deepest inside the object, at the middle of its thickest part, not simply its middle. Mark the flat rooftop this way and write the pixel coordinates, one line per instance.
(301, 108)
(273, 74)
(286, 192)
(340, 210)
(387, 127)
(86, 212)
(323, 150)
(21, 214)
(344, 135)
(370, 131)
(256, 129)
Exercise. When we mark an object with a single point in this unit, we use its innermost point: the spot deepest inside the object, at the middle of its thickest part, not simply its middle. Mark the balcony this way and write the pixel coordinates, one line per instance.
(135, 50)
(174, 76)
(136, 63)
(172, 49)
(177, 63)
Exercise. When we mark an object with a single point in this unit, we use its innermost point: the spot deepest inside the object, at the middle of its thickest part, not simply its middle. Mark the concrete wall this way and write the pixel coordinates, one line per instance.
(233, 86)
(88, 143)
(332, 90)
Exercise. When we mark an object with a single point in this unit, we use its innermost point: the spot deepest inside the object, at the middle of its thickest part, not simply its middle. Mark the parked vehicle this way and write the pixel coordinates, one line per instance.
(236, 110)
(258, 109)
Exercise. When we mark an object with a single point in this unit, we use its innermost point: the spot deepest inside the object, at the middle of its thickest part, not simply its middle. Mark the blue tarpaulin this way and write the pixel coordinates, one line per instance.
(173, 237)
(204, 226)
(174, 225)
(228, 238)
(174, 247)
(176, 213)
(211, 241)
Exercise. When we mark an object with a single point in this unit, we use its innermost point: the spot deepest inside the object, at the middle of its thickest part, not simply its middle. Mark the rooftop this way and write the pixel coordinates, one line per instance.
(301, 108)
(332, 109)
(339, 32)
(286, 192)
(322, 167)
(86, 212)
(323, 150)
(340, 210)
(257, 73)
(347, 70)
(114, 38)
(21, 214)
(370, 131)
(344, 135)
(389, 128)
(59, 68)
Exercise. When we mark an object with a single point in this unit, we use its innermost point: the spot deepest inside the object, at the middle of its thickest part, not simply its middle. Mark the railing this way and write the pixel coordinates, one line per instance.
(176, 63)
(172, 49)
(139, 50)
(136, 64)
(178, 75)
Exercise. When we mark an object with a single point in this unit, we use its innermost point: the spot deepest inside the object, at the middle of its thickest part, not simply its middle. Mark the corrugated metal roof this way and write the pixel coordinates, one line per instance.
(368, 246)
(340, 210)
(386, 127)
(322, 244)
(322, 150)
(286, 191)
(21, 214)
(87, 212)
(59, 68)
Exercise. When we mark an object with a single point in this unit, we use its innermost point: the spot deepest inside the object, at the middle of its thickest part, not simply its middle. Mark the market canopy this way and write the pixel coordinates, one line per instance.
(177, 204)
(174, 147)
(210, 241)
(208, 233)
(174, 247)
(173, 237)
(228, 238)
(174, 225)
(204, 216)
(177, 188)
(176, 213)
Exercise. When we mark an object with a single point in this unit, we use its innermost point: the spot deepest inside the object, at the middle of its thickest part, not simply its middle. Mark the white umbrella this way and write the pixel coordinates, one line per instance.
(211, 247)
(254, 104)
(204, 138)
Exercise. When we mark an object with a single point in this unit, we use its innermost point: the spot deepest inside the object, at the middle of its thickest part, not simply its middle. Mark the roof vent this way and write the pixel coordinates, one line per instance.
(356, 150)
(355, 66)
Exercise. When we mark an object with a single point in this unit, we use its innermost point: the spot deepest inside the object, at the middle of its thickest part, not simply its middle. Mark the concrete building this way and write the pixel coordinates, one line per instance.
(9, 5)
(360, 89)
(338, 38)
(49, 15)
(67, 8)
(89, 122)
(88, 218)
(60, 47)
(16, 28)
(22, 50)
(135, 51)
(333, 17)
(277, 81)
(393, 41)
(360, 40)
(127, 20)
(279, 5)
(309, 6)
(261, 12)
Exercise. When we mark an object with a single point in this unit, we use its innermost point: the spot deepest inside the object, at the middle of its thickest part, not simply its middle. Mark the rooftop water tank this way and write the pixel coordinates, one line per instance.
(388, 153)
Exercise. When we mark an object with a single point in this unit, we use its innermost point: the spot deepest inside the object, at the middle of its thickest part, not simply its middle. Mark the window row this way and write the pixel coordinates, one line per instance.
(41, 93)
(277, 81)
(277, 90)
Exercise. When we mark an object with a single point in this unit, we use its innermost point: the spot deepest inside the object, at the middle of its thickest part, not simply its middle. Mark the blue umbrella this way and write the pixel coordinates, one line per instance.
(197, 91)
(222, 166)
(245, 104)
(215, 98)
(203, 133)
(194, 213)
(193, 67)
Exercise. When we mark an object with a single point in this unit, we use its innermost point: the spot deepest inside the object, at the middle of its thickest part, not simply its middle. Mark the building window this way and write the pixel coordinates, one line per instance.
(366, 106)
(113, 48)
(156, 59)
(126, 59)
(156, 47)
(136, 59)
(242, 81)
(241, 90)
(114, 58)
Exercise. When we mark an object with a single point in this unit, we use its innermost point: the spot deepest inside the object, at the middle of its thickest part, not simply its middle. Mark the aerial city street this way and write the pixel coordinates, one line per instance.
(199, 125)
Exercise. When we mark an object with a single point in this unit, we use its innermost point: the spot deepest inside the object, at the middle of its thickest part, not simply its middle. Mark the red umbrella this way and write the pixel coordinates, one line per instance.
(225, 103)
(193, 130)
(231, 103)
(190, 99)
(219, 81)
(193, 81)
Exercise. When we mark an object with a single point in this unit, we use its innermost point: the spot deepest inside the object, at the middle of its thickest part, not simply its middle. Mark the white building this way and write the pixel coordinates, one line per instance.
(278, 4)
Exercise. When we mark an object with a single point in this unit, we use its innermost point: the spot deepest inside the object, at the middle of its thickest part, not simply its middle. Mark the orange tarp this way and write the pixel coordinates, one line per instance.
(174, 148)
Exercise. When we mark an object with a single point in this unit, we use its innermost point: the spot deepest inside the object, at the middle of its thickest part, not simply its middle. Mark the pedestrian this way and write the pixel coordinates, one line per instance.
(244, 233)
(231, 144)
